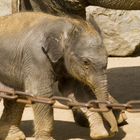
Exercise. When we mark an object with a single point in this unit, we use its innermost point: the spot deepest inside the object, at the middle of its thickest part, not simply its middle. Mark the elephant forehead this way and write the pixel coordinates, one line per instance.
(89, 47)
(90, 39)
(91, 52)
(94, 53)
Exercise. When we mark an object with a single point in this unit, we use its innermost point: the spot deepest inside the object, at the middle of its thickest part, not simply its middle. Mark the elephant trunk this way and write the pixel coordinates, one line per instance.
(115, 4)
(99, 87)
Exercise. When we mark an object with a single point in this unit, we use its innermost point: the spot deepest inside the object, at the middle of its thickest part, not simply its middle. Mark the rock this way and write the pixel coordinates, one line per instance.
(5, 7)
(120, 29)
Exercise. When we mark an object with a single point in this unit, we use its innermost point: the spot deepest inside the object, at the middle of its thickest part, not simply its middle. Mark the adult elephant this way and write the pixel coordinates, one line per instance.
(72, 7)
(44, 49)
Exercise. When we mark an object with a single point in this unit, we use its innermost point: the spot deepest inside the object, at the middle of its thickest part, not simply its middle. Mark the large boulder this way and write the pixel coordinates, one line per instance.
(5, 7)
(120, 29)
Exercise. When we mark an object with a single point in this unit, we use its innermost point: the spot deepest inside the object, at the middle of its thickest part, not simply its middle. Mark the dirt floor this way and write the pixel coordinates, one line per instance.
(123, 77)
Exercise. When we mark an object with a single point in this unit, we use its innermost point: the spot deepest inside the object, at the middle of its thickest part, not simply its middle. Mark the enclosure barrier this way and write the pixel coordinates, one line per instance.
(93, 105)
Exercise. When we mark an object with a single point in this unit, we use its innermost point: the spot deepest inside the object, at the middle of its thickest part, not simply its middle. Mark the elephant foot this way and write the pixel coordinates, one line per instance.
(98, 133)
(120, 115)
(111, 121)
(11, 133)
(43, 135)
(122, 118)
(17, 136)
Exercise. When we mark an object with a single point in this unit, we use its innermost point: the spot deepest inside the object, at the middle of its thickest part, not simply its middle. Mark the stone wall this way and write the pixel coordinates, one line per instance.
(120, 29)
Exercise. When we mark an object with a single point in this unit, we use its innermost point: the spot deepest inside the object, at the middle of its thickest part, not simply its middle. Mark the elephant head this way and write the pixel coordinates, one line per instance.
(84, 57)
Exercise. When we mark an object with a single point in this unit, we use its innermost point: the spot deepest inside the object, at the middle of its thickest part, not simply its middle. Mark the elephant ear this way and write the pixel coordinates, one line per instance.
(91, 20)
(53, 48)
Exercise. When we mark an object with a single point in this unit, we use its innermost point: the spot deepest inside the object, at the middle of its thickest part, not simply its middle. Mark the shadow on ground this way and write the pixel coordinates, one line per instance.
(62, 130)
(124, 83)
(66, 130)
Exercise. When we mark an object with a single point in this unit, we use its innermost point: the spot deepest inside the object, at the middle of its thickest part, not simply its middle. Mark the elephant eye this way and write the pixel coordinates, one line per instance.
(86, 61)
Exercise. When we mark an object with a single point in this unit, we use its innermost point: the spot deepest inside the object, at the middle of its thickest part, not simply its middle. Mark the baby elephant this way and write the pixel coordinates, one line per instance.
(38, 49)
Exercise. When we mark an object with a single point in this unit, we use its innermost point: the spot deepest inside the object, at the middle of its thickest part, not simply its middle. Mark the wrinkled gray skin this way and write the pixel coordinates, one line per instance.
(72, 88)
(40, 51)
(75, 8)
(72, 7)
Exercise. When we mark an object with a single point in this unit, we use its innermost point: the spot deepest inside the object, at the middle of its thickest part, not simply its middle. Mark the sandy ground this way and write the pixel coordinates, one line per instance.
(123, 77)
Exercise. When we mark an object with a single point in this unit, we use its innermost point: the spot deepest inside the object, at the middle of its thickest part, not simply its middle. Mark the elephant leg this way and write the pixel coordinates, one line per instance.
(81, 119)
(43, 120)
(10, 121)
(35, 6)
(96, 125)
(91, 119)
(120, 115)
(40, 83)
(76, 91)
(43, 113)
